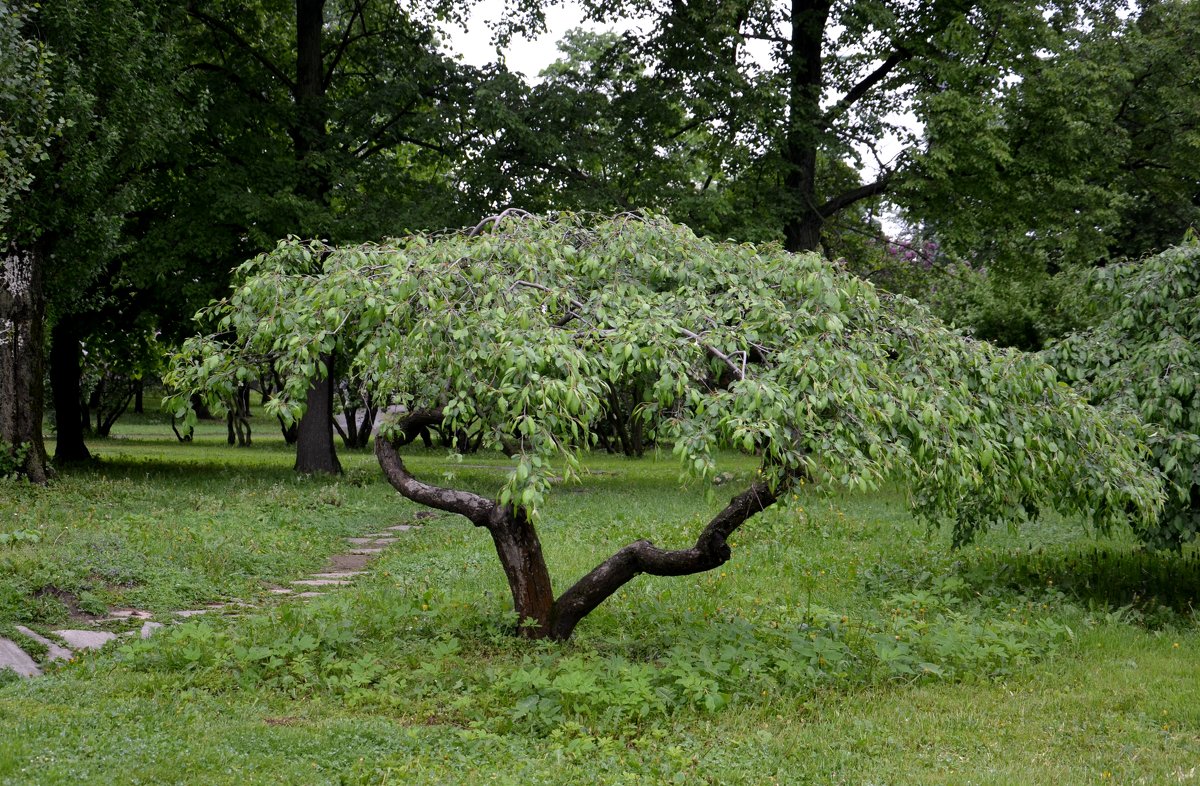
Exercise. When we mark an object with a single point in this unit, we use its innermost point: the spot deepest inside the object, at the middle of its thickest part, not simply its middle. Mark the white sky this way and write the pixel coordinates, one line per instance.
(527, 57)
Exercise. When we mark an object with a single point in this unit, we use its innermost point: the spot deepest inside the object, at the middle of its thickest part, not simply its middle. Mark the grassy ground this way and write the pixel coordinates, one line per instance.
(842, 644)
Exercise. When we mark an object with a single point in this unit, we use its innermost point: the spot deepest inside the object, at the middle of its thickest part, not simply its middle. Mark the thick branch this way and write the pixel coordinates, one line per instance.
(482, 512)
(711, 551)
(347, 39)
(848, 198)
(230, 32)
(738, 371)
(854, 94)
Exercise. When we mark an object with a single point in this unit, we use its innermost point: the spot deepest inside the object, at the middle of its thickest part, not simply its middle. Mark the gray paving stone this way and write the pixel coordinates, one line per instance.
(320, 582)
(309, 594)
(402, 528)
(191, 612)
(371, 541)
(124, 614)
(366, 551)
(339, 574)
(281, 591)
(85, 639)
(15, 658)
(148, 628)
(53, 651)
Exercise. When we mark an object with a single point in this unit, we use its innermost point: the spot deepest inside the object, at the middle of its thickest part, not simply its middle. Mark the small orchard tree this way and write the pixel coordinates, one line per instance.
(1142, 359)
(528, 327)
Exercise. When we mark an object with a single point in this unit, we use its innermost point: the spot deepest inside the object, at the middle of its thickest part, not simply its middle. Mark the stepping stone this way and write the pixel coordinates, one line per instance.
(375, 541)
(340, 574)
(402, 528)
(348, 561)
(54, 651)
(282, 591)
(309, 594)
(366, 551)
(15, 658)
(191, 612)
(124, 614)
(85, 639)
(375, 535)
(320, 583)
(149, 628)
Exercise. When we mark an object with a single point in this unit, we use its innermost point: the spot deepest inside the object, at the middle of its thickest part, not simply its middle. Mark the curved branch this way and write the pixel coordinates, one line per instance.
(496, 219)
(481, 512)
(711, 551)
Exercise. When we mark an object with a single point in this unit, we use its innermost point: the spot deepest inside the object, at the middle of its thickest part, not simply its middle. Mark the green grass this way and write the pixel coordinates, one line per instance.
(842, 644)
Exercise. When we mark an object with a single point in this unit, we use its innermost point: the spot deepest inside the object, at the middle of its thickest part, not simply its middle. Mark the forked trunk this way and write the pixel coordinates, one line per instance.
(539, 614)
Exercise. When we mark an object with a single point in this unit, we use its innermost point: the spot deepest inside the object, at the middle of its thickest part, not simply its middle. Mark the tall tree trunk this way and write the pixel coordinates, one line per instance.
(65, 375)
(802, 230)
(315, 452)
(22, 309)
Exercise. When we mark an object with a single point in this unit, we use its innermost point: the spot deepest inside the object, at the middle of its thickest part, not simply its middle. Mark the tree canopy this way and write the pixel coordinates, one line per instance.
(1142, 357)
(523, 325)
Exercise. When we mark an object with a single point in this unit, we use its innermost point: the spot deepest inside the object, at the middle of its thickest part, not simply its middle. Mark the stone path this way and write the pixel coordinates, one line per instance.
(339, 571)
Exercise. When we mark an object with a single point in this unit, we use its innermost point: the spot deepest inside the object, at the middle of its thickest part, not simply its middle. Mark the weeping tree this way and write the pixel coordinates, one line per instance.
(529, 326)
(1142, 358)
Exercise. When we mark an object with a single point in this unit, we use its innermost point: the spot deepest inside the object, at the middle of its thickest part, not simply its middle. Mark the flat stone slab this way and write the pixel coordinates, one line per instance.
(320, 582)
(15, 658)
(348, 561)
(148, 628)
(402, 528)
(191, 612)
(374, 541)
(124, 614)
(366, 551)
(53, 651)
(85, 639)
(339, 574)
(282, 591)
(309, 594)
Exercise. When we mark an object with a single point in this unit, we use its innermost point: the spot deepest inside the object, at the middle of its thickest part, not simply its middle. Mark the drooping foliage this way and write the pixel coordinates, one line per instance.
(1143, 357)
(522, 331)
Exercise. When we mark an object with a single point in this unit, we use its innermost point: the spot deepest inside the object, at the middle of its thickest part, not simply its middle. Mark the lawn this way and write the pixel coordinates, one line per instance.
(843, 643)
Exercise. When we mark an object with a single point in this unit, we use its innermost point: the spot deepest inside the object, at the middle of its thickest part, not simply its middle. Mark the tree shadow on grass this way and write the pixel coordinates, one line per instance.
(1155, 587)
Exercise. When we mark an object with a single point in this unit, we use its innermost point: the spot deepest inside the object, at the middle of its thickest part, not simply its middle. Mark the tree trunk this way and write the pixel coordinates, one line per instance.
(520, 552)
(315, 452)
(22, 309)
(139, 390)
(802, 231)
(65, 375)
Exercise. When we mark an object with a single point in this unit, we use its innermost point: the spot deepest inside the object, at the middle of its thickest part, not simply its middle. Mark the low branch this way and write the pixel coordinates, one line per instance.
(481, 512)
(711, 551)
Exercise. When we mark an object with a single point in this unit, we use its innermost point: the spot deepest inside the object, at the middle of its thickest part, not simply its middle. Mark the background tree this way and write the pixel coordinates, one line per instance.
(1142, 357)
(782, 94)
(529, 327)
(27, 126)
(1087, 159)
(329, 119)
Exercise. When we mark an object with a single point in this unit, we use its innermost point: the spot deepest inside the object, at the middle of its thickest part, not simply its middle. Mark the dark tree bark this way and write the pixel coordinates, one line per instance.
(65, 375)
(315, 452)
(520, 551)
(139, 391)
(22, 308)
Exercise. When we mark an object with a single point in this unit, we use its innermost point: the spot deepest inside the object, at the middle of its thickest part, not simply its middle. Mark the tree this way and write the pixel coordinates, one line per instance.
(526, 328)
(26, 129)
(781, 95)
(1142, 357)
(330, 118)
(1087, 159)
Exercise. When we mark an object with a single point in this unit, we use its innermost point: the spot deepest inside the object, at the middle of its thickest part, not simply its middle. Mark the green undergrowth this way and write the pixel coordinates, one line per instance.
(843, 642)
